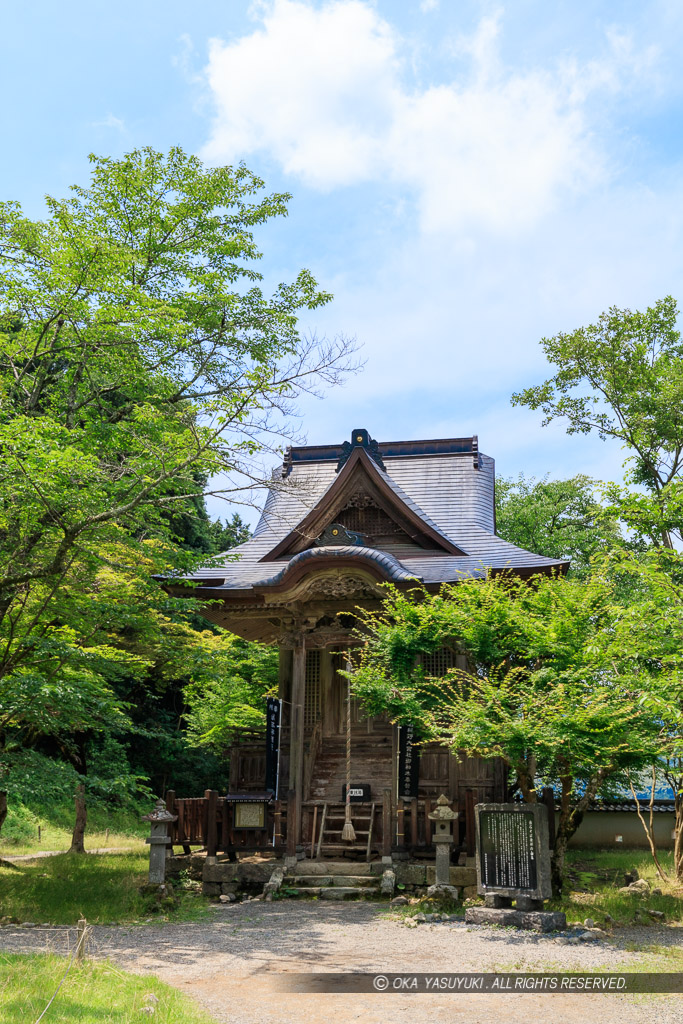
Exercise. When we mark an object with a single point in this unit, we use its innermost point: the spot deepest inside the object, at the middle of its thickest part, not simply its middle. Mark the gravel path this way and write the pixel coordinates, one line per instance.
(234, 965)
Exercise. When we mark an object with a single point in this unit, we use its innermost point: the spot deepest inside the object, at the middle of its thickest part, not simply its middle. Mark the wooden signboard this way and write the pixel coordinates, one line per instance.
(512, 851)
(249, 815)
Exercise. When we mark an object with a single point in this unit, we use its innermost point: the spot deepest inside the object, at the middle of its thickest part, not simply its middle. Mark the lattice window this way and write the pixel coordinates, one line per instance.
(438, 662)
(312, 692)
(371, 520)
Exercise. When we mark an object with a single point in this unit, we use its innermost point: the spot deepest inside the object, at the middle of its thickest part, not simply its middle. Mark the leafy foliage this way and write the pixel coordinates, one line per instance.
(139, 358)
(231, 693)
(550, 690)
(623, 378)
(555, 518)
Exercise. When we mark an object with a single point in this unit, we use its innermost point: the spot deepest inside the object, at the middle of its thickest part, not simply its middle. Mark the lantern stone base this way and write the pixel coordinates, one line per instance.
(532, 920)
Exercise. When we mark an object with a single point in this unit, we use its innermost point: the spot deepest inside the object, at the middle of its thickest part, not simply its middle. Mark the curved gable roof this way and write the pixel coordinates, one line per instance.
(360, 470)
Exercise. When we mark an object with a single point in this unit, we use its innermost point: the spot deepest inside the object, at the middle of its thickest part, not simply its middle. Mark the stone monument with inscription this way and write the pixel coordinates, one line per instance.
(513, 865)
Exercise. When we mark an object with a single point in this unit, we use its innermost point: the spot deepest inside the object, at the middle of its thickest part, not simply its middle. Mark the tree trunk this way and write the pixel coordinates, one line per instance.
(570, 819)
(563, 834)
(674, 777)
(649, 829)
(77, 845)
(3, 807)
(678, 840)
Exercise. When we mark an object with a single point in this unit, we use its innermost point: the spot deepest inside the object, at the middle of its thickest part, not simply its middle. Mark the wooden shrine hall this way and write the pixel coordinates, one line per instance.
(339, 521)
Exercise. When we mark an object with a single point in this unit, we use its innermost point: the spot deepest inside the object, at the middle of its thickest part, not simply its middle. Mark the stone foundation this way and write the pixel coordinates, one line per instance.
(532, 920)
(224, 878)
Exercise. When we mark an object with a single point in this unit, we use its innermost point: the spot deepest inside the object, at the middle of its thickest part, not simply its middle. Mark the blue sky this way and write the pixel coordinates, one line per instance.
(467, 177)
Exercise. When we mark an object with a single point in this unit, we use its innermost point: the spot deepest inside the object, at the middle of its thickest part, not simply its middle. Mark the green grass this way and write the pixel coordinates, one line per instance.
(594, 878)
(93, 993)
(103, 888)
(109, 828)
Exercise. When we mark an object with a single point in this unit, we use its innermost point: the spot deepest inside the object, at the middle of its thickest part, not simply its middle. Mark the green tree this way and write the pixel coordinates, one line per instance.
(228, 534)
(548, 690)
(556, 518)
(652, 627)
(228, 689)
(139, 356)
(623, 378)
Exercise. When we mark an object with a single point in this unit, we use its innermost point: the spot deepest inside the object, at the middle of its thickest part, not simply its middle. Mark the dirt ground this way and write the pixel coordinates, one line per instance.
(236, 965)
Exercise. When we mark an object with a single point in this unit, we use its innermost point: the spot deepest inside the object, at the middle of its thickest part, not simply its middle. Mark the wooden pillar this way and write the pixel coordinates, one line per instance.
(277, 832)
(428, 821)
(296, 747)
(413, 823)
(469, 822)
(170, 805)
(284, 673)
(211, 796)
(386, 823)
(400, 825)
(291, 824)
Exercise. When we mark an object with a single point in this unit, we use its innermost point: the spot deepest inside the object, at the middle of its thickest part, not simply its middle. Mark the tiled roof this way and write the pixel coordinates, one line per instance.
(659, 806)
(451, 491)
(389, 565)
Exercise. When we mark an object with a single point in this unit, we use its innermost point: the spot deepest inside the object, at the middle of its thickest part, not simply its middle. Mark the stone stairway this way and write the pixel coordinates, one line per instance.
(331, 880)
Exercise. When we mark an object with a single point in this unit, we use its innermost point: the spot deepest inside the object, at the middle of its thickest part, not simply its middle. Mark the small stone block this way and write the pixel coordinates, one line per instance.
(497, 902)
(526, 903)
(388, 883)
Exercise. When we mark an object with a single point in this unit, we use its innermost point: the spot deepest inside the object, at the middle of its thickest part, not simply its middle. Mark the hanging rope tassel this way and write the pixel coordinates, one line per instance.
(348, 833)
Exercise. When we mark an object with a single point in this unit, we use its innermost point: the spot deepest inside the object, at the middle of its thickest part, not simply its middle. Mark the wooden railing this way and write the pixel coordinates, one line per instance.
(414, 828)
(208, 822)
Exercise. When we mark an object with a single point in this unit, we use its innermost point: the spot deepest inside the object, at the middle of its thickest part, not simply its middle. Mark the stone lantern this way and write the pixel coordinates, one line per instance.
(158, 841)
(443, 817)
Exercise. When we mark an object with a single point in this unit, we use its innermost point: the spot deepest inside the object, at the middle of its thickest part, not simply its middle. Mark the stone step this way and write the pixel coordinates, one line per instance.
(337, 892)
(347, 892)
(353, 881)
(320, 867)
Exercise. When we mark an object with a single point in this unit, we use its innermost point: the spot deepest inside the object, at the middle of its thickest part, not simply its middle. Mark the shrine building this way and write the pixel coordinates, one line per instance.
(339, 521)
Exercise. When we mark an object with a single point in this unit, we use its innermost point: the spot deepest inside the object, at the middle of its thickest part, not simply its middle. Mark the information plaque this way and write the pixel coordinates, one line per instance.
(513, 856)
(250, 815)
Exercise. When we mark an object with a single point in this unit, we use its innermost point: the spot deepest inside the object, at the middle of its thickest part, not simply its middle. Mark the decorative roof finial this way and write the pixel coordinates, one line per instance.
(360, 438)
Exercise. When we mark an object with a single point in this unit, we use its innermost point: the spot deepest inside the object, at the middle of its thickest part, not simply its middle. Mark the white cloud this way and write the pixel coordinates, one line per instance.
(110, 121)
(326, 92)
(429, 5)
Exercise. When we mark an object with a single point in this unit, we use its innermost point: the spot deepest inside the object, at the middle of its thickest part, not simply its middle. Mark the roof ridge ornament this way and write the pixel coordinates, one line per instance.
(360, 438)
(337, 534)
